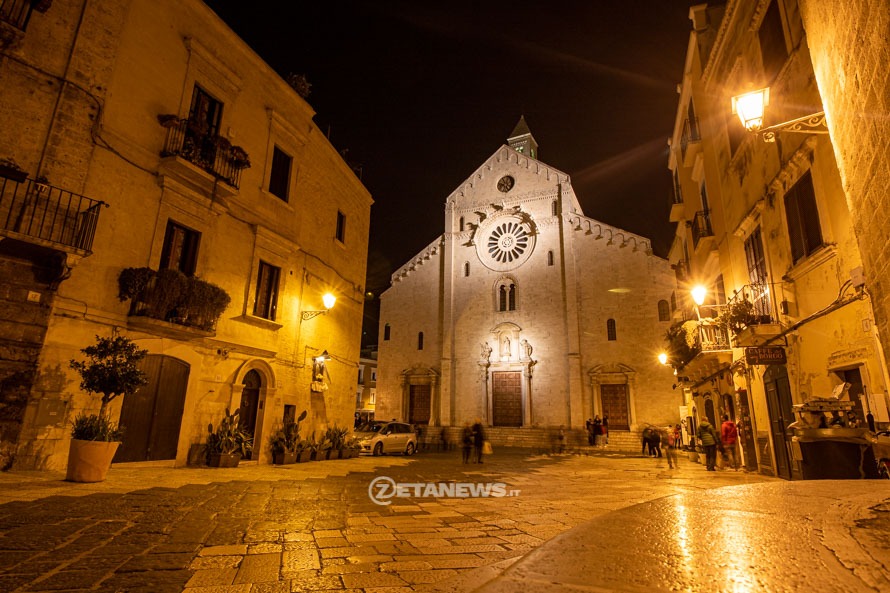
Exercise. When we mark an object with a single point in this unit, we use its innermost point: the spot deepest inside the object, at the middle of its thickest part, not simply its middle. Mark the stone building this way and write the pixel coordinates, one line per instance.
(766, 227)
(366, 388)
(153, 141)
(525, 313)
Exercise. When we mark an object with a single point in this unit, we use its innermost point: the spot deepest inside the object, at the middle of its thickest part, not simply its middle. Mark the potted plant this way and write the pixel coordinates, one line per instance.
(285, 440)
(353, 447)
(109, 371)
(304, 452)
(227, 443)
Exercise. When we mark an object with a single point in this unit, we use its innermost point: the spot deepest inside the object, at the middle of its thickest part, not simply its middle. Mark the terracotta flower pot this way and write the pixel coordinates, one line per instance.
(224, 459)
(88, 461)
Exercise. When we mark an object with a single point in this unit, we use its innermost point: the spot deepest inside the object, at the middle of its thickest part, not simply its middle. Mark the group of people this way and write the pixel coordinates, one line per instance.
(472, 440)
(712, 441)
(597, 431)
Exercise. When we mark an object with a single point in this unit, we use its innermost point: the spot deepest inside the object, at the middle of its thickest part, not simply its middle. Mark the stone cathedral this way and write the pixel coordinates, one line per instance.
(525, 313)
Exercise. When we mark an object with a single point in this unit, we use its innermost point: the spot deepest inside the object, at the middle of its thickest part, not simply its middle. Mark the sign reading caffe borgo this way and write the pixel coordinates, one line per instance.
(765, 355)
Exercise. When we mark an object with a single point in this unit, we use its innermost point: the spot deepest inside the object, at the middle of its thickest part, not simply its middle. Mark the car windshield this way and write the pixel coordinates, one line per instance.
(371, 427)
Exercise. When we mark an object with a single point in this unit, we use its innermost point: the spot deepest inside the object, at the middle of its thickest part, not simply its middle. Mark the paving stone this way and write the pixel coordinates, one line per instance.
(304, 581)
(399, 566)
(331, 542)
(212, 577)
(427, 576)
(259, 568)
(297, 560)
(215, 562)
(233, 550)
(243, 588)
(372, 579)
(344, 568)
(265, 548)
(156, 562)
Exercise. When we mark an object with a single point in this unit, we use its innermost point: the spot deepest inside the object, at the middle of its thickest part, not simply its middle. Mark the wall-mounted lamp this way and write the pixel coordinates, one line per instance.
(751, 108)
(663, 358)
(328, 299)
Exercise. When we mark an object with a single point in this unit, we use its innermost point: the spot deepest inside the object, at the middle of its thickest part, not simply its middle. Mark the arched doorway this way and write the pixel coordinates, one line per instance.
(152, 417)
(250, 401)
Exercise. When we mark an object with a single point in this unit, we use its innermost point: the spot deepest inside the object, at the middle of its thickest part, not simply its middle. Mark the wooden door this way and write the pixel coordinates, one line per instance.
(615, 408)
(419, 397)
(250, 402)
(152, 417)
(506, 398)
(778, 401)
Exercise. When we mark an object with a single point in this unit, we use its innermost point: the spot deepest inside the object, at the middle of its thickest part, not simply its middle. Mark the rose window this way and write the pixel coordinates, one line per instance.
(508, 242)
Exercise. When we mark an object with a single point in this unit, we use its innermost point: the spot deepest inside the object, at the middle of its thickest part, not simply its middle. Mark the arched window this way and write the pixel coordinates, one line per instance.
(611, 332)
(386, 332)
(466, 269)
(420, 340)
(550, 258)
(664, 311)
(461, 224)
(506, 295)
(554, 208)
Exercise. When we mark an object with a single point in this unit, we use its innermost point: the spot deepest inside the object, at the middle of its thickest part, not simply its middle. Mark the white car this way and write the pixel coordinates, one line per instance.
(378, 438)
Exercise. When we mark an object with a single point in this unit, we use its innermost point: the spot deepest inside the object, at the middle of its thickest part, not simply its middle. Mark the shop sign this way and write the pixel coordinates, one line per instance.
(765, 355)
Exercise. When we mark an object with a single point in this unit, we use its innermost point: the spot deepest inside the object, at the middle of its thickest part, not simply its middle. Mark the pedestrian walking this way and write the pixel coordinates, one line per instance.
(729, 434)
(589, 426)
(478, 439)
(561, 440)
(605, 431)
(670, 439)
(466, 441)
(655, 442)
(709, 438)
(597, 431)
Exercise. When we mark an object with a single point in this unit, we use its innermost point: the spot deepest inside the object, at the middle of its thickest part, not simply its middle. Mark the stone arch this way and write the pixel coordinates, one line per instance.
(419, 386)
(265, 392)
(506, 338)
(505, 291)
(613, 395)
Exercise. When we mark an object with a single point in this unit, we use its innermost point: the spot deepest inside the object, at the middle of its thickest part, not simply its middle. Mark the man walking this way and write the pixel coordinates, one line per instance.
(729, 434)
(709, 438)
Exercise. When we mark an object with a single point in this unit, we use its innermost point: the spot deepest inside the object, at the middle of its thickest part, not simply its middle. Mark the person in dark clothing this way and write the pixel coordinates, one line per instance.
(655, 443)
(709, 438)
(478, 440)
(466, 442)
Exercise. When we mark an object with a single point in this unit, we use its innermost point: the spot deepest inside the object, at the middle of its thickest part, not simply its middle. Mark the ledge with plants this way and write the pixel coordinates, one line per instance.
(682, 343)
(171, 296)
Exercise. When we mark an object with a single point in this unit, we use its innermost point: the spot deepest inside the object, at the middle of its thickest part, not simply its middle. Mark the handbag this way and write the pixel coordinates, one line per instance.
(486, 448)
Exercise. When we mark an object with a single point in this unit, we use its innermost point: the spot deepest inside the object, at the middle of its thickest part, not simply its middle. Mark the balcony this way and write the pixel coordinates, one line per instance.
(14, 17)
(36, 212)
(678, 209)
(701, 227)
(751, 316)
(699, 347)
(206, 153)
(690, 141)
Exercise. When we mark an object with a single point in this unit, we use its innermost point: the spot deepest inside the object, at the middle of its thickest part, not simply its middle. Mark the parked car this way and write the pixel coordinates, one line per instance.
(378, 438)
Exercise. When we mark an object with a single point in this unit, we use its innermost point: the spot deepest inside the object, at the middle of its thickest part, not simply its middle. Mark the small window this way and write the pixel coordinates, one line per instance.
(773, 51)
(386, 329)
(266, 303)
(554, 208)
(420, 340)
(461, 223)
(180, 251)
(373, 375)
(279, 179)
(466, 269)
(802, 216)
(373, 399)
(611, 332)
(549, 258)
(341, 227)
(664, 311)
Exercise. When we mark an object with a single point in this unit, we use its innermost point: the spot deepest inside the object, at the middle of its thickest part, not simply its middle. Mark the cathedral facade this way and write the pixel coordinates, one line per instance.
(525, 313)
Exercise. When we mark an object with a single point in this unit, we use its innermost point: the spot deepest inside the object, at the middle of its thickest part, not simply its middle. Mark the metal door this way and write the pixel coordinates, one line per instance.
(506, 398)
(152, 416)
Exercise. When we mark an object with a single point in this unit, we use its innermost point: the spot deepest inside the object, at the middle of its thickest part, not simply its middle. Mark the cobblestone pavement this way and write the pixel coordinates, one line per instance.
(311, 527)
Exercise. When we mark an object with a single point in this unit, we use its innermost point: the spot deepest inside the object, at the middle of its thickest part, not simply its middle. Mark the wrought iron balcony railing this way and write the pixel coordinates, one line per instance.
(211, 152)
(35, 210)
(689, 135)
(17, 13)
(701, 227)
(754, 300)
(713, 337)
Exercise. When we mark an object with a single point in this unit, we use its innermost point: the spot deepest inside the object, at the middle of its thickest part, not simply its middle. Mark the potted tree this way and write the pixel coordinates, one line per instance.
(227, 443)
(109, 371)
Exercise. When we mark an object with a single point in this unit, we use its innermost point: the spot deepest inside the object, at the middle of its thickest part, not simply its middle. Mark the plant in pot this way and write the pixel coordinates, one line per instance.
(285, 440)
(109, 371)
(336, 436)
(227, 443)
(353, 446)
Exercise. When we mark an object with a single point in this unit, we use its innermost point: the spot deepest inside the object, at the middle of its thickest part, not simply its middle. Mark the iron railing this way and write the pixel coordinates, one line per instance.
(211, 152)
(37, 210)
(713, 337)
(16, 13)
(689, 134)
(756, 300)
(701, 226)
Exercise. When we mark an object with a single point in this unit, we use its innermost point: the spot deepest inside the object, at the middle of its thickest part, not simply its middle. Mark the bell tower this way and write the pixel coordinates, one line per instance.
(522, 141)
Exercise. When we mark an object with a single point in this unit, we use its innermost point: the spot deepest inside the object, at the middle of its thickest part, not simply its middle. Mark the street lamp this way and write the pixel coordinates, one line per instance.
(751, 108)
(328, 300)
(663, 358)
(698, 294)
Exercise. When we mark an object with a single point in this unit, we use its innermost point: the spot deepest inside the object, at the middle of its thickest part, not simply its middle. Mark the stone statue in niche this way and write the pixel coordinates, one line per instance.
(505, 346)
(486, 351)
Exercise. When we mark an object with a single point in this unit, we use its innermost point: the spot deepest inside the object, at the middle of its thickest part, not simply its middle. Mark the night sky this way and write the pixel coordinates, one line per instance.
(419, 94)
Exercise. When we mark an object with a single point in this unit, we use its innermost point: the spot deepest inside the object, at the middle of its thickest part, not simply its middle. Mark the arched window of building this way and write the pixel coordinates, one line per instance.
(664, 311)
(386, 329)
(506, 295)
(466, 269)
(611, 332)
(420, 340)
(461, 227)
(550, 258)
(554, 208)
